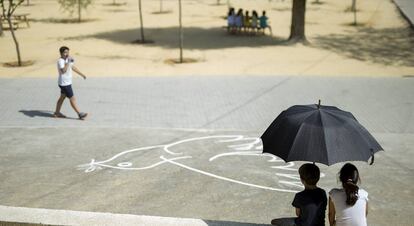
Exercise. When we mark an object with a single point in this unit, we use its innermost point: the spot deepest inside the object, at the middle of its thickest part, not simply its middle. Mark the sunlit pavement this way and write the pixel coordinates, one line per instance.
(171, 150)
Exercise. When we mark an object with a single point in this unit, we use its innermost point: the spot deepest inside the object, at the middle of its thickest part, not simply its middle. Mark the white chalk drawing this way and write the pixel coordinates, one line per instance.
(286, 174)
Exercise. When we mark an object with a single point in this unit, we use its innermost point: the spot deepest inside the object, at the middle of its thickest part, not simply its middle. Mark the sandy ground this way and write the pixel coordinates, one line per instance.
(102, 45)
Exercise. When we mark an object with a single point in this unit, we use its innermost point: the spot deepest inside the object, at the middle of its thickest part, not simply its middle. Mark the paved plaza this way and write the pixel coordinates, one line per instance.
(186, 150)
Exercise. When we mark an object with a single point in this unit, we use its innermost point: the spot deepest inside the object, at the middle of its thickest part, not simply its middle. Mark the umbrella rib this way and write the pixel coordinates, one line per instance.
(365, 138)
(324, 140)
(294, 140)
(331, 136)
(363, 133)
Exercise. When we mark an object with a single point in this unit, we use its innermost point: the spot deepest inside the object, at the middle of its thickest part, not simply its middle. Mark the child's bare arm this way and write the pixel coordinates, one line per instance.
(79, 72)
(331, 214)
(297, 212)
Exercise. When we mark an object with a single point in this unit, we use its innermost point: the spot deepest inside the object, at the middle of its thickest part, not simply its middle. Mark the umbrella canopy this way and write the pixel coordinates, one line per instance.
(317, 133)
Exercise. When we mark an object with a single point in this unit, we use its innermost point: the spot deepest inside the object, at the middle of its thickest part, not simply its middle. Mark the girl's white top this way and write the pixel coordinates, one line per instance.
(347, 215)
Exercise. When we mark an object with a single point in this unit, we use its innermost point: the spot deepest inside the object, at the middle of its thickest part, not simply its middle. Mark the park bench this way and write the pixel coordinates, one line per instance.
(5, 24)
(16, 20)
(244, 30)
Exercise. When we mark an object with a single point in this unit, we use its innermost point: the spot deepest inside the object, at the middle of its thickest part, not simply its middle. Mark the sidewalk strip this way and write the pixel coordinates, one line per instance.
(69, 217)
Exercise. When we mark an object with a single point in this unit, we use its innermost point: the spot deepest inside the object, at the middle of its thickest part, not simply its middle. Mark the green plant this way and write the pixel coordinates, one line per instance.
(71, 6)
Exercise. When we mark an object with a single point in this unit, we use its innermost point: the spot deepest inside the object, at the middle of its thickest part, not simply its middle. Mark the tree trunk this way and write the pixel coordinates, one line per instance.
(218, 2)
(355, 17)
(297, 28)
(181, 31)
(27, 3)
(1, 26)
(79, 11)
(160, 6)
(141, 21)
(19, 60)
(353, 6)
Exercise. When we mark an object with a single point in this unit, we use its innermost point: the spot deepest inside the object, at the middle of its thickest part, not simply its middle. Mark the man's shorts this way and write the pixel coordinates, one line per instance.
(67, 90)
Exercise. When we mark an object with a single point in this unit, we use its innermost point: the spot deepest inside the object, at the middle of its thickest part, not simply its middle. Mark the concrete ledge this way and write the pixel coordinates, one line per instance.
(12, 216)
(406, 9)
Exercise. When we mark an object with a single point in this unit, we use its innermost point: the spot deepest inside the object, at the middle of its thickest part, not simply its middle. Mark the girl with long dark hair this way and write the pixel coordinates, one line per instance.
(348, 206)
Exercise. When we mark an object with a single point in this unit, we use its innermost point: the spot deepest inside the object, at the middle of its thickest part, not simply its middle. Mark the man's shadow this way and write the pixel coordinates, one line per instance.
(40, 113)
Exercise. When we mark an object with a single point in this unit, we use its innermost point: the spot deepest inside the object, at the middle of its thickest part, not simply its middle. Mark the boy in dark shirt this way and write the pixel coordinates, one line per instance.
(310, 203)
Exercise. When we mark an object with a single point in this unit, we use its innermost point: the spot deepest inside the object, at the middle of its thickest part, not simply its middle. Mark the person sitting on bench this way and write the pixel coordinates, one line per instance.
(246, 21)
(264, 23)
(231, 20)
(239, 20)
(255, 19)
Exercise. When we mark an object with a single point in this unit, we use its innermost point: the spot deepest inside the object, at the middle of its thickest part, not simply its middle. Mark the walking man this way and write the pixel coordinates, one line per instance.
(65, 66)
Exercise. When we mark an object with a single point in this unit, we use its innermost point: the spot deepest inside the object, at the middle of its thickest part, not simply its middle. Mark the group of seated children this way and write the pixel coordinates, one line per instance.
(239, 22)
(348, 206)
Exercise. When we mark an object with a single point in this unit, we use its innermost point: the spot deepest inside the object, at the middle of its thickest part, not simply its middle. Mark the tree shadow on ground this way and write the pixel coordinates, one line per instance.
(64, 20)
(117, 10)
(194, 38)
(115, 4)
(390, 46)
(162, 12)
(317, 3)
(231, 223)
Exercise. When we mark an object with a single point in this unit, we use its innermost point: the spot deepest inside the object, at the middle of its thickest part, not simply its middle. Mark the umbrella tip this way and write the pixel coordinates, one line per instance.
(319, 103)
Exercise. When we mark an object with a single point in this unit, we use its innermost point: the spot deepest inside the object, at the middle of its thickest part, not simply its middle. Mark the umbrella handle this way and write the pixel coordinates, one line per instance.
(372, 159)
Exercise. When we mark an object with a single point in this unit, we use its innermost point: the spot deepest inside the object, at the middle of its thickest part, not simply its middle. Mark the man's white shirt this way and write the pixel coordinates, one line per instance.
(65, 79)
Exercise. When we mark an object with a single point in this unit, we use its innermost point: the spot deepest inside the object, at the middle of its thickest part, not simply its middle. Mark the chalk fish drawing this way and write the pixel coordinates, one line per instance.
(285, 173)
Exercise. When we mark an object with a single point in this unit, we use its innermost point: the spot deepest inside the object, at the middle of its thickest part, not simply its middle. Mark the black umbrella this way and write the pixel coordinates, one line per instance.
(317, 133)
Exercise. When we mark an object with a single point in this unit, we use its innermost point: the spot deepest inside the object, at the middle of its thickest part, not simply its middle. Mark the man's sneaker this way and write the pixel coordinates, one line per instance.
(59, 115)
(82, 115)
